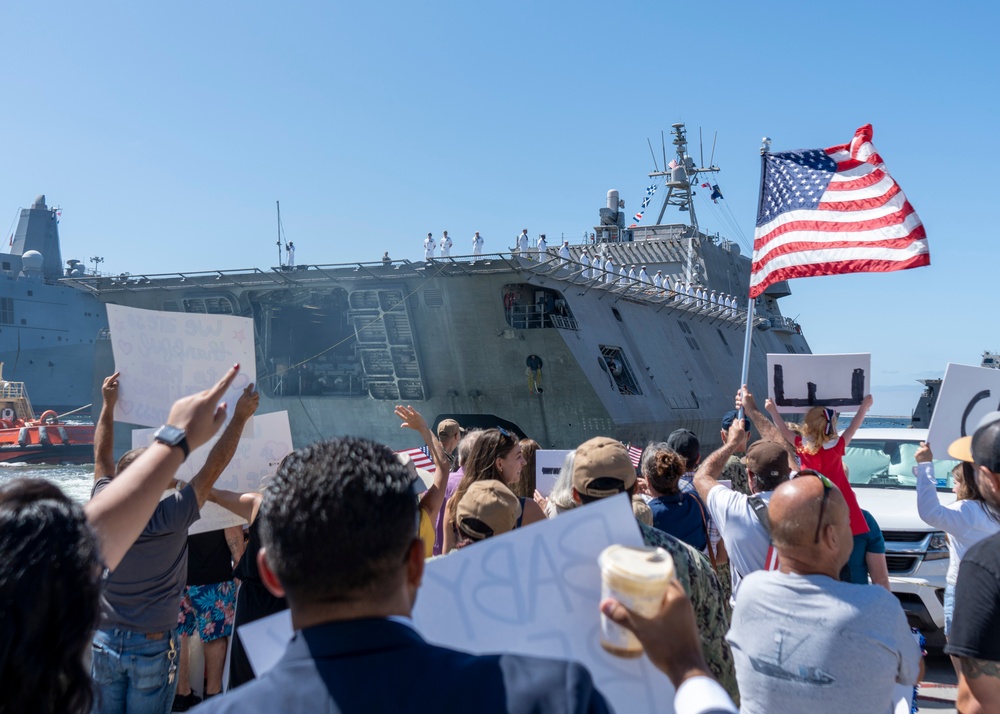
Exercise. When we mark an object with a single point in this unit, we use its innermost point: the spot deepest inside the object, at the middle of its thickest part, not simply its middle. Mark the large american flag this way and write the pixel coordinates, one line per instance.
(421, 458)
(832, 211)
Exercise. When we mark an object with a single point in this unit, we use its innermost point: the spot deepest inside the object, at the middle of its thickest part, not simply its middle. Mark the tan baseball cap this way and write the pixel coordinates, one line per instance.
(488, 508)
(602, 458)
(448, 428)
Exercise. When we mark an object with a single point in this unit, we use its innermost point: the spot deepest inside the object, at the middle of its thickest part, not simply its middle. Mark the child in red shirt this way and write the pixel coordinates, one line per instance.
(820, 449)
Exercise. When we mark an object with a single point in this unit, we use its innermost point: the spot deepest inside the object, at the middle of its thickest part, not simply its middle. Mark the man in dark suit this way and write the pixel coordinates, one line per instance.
(340, 526)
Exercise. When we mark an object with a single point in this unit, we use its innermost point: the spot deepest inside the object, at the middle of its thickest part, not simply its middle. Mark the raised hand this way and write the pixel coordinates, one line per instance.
(247, 404)
(109, 390)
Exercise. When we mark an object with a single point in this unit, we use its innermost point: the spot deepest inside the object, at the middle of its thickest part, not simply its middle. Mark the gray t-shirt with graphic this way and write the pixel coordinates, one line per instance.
(808, 643)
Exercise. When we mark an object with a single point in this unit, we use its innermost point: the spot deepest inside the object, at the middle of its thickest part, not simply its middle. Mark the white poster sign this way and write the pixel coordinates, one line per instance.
(797, 383)
(256, 459)
(534, 591)
(163, 356)
(966, 395)
(548, 464)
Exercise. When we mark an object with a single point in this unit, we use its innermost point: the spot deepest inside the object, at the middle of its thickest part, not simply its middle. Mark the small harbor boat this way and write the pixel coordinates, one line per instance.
(25, 438)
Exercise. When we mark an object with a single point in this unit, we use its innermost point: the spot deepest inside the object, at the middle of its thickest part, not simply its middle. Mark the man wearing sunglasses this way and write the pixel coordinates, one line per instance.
(805, 642)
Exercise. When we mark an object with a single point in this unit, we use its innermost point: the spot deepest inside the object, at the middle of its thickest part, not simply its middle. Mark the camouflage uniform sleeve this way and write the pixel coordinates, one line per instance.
(695, 573)
(736, 473)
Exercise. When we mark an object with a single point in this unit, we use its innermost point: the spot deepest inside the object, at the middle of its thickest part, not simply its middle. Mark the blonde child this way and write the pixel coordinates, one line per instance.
(819, 448)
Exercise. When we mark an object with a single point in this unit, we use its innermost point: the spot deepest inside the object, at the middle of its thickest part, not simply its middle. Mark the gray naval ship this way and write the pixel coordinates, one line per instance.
(547, 345)
(48, 330)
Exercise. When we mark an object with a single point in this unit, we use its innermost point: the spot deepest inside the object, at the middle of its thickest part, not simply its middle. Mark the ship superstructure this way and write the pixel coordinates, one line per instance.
(48, 330)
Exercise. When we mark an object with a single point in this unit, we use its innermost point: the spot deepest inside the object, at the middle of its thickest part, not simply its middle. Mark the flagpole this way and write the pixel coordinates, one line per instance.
(751, 302)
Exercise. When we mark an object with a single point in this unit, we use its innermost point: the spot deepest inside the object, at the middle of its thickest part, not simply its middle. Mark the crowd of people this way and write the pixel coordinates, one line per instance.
(776, 606)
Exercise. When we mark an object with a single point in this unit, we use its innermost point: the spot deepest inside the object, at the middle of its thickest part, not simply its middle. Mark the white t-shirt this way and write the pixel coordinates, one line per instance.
(745, 538)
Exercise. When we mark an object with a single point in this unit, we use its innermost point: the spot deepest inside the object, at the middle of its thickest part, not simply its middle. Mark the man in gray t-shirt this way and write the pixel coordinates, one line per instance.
(135, 648)
(802, 640)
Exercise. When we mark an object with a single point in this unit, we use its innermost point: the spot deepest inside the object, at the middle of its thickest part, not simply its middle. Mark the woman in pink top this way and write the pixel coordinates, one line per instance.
(820, 449)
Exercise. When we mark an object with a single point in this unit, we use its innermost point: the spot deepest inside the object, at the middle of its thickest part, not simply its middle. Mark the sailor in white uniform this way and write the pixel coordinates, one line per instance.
(564, 252)
(542, 246)
(631, 274)
(658, 279)
(644, 276)
(477, 244)
(429, 246)
(609, 269)
(595, 266)
(523, 242)
(290, 249)
(446, 245)
(624, 275)
(585, 261)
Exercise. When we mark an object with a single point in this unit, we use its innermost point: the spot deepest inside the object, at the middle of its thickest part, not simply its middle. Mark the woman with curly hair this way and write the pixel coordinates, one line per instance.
(50, 586)
(495, 455)
(679, 513)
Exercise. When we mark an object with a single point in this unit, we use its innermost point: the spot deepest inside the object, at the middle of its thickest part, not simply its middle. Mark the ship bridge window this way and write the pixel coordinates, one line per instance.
(615, 364)
(7, 311)
(529, 307)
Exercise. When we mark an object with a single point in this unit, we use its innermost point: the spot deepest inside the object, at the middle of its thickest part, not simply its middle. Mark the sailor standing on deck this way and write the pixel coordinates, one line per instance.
(290, 249)
(585, 260)
(623, 272)
(644, 276)
(658, 279)
(429, 246)
(446, 246)
(543, 246)
(631, 274)
(523, 242)
(609, 271)
(564, 252)
(477, 244)
(595, 265)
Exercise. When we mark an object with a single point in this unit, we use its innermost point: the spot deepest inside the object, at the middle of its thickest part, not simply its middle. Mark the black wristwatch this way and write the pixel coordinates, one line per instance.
(172, 436)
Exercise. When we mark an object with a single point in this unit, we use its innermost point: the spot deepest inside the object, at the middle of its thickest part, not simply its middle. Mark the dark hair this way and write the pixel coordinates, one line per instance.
(663, 470)
(127, 458)
(525, 486)
(50, 587)
(968, 488)
(337, 520)
(491, 445)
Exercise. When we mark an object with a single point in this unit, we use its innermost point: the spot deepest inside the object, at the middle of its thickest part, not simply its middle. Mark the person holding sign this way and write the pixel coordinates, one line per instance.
(355, 647)
(819, 448)
(54, 555)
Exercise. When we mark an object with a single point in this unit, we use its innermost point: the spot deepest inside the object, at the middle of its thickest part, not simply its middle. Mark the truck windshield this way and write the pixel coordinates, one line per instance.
(885, 463)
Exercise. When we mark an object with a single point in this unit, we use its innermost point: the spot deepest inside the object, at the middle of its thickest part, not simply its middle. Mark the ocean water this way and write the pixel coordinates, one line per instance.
(76, 481)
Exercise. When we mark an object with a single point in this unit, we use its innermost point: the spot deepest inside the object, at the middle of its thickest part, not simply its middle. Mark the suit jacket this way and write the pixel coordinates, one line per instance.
(379, 665)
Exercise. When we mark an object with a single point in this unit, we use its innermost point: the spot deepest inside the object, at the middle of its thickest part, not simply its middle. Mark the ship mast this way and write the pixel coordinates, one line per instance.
(680, 173)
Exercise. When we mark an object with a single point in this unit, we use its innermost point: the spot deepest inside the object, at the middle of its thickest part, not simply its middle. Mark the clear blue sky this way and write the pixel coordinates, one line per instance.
(167, 131)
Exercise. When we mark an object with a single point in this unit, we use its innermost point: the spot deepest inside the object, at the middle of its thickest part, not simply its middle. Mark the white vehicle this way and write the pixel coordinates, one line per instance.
(880, 468)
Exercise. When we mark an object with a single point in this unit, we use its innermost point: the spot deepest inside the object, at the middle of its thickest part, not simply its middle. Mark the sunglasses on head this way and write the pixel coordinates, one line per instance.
(827, 487)
(504, 432)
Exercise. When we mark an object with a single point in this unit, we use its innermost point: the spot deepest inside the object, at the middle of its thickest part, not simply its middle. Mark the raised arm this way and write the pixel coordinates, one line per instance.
(104, 432)
(859, 417)
(244, 505)
(779, 423)
(222, 453)
(120, 511)
(765, 427)
(707, 476)
(433, 498)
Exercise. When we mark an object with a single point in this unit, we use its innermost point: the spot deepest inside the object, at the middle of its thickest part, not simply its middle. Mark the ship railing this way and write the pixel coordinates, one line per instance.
(12, 390)
(624, 287)
(782, 323)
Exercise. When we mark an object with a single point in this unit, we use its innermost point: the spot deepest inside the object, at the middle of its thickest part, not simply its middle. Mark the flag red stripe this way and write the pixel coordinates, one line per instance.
(811, 226)
(840, 268)
(864, 182)
(805, 245)
(848, 165)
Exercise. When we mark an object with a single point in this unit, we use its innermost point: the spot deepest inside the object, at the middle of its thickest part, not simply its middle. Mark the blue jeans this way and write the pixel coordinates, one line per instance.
(132, 673)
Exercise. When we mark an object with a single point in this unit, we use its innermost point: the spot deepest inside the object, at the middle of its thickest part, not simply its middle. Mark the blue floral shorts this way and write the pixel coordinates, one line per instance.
(209, 610)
